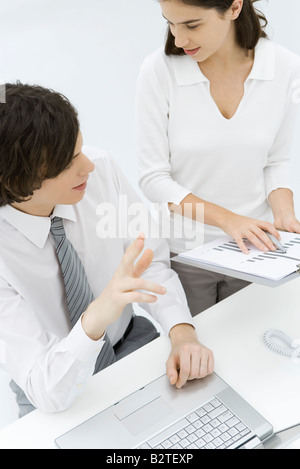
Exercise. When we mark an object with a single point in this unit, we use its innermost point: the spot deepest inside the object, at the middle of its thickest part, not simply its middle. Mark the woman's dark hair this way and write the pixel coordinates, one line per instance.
(249, 25)
(38, 134)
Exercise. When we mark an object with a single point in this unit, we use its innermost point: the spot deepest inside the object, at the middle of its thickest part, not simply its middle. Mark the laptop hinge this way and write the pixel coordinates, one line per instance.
(254, 443)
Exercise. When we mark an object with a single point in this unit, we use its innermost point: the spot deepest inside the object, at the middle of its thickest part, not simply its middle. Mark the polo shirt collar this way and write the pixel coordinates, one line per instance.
(187, 71)
(34, 228)
(264, 62)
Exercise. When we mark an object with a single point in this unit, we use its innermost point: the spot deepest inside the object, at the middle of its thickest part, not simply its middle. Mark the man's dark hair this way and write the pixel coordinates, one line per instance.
(38, 134)
(249, 25)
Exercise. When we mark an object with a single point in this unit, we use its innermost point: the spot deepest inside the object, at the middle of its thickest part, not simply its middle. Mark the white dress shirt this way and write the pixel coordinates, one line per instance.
(47, 359)
(185, 145)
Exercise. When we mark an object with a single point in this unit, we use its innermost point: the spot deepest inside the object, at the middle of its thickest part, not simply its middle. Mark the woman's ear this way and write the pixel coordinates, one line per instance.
(236, 9)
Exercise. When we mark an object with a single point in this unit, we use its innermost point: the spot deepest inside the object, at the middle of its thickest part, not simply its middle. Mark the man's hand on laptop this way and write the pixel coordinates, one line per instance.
(188, 358)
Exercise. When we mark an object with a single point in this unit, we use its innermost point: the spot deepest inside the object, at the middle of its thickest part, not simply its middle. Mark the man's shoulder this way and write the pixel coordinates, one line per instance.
(105, 178)
(97, 155)
(103, 161)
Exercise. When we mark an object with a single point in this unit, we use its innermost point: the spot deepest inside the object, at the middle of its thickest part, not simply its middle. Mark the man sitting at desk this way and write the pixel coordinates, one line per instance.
(65, 294)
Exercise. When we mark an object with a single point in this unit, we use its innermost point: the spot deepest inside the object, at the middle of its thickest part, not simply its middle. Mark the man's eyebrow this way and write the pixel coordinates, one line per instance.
(75, 156)
(185, 22)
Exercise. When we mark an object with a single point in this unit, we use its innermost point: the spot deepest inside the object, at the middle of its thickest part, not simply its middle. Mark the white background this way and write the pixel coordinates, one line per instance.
(91, 51)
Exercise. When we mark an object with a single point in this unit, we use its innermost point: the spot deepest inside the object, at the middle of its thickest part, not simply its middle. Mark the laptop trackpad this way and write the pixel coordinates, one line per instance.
(147, 415)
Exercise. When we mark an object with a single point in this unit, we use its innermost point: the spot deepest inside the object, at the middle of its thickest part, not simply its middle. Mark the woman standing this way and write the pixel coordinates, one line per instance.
(215, 113)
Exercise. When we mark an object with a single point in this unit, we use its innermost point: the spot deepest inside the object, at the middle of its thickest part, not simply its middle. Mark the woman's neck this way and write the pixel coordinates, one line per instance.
(229, 56)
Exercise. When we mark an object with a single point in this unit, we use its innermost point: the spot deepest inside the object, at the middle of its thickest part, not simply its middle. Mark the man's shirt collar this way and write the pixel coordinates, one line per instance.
(34, 228)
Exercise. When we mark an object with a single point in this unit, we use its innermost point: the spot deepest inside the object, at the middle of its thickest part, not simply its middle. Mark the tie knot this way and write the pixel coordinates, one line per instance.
(57, 227)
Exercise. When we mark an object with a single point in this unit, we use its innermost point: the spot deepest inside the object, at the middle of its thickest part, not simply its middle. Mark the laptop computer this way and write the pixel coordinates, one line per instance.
(204, 414)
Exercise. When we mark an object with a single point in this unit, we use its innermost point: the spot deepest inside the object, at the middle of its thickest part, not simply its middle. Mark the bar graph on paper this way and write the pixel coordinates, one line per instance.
(224, 252)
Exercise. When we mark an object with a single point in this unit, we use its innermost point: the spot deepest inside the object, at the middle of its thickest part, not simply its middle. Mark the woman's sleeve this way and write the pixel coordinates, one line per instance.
(172, 308)
(152, 122)
(277, 172)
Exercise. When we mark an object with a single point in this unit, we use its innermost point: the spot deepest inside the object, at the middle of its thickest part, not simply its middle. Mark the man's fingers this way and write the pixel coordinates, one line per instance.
(143, 263)
(193, 362)
(139, 297)
(133, 252)
(171, 370)
(184, 369)
(207, 365)
(133, 284)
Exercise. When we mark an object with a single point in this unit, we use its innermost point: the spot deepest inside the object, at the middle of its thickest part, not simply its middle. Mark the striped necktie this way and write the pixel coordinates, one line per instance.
(78, 291)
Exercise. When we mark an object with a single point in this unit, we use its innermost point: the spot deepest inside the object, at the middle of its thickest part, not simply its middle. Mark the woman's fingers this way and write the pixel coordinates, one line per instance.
(257, 233)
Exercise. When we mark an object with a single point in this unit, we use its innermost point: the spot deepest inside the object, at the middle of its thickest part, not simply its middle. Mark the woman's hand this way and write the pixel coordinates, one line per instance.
(239, 228)
(287, 222)
(236, 226)
(282, 204)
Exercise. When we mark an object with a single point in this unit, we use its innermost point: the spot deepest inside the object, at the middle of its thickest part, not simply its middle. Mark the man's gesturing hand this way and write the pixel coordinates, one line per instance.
(126, 286)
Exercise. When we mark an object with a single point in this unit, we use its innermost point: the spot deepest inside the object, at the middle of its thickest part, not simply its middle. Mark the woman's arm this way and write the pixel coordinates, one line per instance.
(236, 226)
(282, 204)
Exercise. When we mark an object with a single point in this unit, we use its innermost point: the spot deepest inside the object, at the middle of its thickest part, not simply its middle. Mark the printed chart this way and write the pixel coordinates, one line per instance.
(273, 265)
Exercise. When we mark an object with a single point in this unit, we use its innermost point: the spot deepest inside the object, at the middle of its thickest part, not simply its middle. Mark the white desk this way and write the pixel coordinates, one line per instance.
(233, 329)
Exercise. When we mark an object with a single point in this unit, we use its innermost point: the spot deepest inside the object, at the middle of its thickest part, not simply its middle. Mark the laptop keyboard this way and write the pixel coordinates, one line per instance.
(212, 426)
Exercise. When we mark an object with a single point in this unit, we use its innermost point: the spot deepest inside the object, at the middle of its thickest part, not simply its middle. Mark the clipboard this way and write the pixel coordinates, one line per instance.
(223, 256)
(237, 274)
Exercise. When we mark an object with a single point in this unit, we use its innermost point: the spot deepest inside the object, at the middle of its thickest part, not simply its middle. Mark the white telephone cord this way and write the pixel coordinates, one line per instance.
(291, 348)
